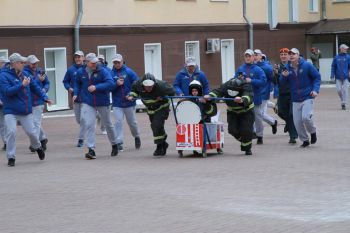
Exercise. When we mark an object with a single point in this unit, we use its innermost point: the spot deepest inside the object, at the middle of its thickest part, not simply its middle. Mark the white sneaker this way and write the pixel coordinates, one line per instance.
(104, 132)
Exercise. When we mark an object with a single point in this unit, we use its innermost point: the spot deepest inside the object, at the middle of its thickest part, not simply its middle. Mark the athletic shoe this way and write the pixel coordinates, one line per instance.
(248, 152)
(43, 144)
(285, 130)
(159, 150)
(305, 144)
(274, 127)
(259, 141)
(32, 149)
(343, 107)
(91, 154)
(4, 147)
(164, 148)
(104, 132)
(11, 162)
(120, 147)
(41, 153)
(292, 141)
(313, 138)
(115, 149)
(137, 143)
(80, 143)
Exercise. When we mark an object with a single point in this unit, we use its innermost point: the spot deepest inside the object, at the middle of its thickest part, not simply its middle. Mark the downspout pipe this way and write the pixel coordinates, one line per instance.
(249, 23)
(323, 7)
(77, 25)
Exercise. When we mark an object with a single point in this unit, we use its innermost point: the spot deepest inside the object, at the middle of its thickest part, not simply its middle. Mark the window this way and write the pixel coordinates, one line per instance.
(56, 67)
(4, 53)
(272, 13)
(293, 11)
(192, 50)
(313, 5)
(108, 51)
(219, 0)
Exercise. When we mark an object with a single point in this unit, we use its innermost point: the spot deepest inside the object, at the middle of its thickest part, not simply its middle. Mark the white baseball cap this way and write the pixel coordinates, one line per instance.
(343, 46)
(294, 50)
(190, 61)
(118, 57)
(79, 53)
(101, 57)
(258, 51)
(16, 57)
(32, 59)
(249, 51)
(91, 57)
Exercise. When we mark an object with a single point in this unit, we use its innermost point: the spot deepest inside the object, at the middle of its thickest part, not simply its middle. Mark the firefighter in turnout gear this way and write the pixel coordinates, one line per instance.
(240, 111)
(152, 92)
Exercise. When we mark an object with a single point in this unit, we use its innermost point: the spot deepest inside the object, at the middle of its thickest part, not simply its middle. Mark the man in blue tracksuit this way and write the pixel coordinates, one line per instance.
(37, 75)
(68, 82)
(267, 68)
(341, 74)
(123, 78)
(284, 101)
(256, 76)
(304, 81)
(4, 64)
(93, 84)
(189, 73)
(16, 90)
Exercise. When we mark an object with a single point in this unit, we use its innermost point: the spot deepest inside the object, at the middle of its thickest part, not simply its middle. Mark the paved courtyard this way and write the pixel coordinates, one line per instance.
(281, 188)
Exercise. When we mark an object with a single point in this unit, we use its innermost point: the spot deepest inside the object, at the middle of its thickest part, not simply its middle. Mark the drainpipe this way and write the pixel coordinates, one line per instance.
(249, 23)
(323, 6)
(77, 25)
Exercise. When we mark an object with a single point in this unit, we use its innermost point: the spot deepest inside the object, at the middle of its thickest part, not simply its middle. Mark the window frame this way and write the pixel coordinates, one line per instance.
(197, 54)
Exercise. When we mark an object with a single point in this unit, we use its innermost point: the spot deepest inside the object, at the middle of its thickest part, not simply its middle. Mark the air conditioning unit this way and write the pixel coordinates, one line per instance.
(213, 45)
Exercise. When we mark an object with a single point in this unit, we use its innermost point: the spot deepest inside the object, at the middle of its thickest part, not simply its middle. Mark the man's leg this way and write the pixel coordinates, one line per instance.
(345, 91)
(298, 122)
(2, 128)
(130, 115)
(266, 117)
(338, 85)
(159, 135)
(28, 127)
(10, 135)
(307, 115)
(259, 126)
(77, 113)
(119, 117)
(105, 115)
(88, 119)
(245, 123)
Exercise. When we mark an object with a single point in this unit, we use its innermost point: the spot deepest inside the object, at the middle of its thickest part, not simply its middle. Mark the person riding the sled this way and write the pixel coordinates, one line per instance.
(208, 108)
(240, 110)
(152, 92)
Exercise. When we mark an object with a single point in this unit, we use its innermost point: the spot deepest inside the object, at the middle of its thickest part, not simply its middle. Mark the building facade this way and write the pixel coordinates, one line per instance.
(156, 35)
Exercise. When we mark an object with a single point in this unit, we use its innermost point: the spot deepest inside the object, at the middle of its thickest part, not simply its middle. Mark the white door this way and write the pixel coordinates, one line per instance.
(227, 59)
(153, 60)
(56, 67)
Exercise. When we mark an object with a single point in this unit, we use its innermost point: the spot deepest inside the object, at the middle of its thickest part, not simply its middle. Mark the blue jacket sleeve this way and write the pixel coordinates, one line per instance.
(107, 83)
(205, 84)
(77, 84)
(261, 80)
(7, 89)
(177, 84)
(46, 84)
(35, 88)
(333, 67)
(66, 80)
